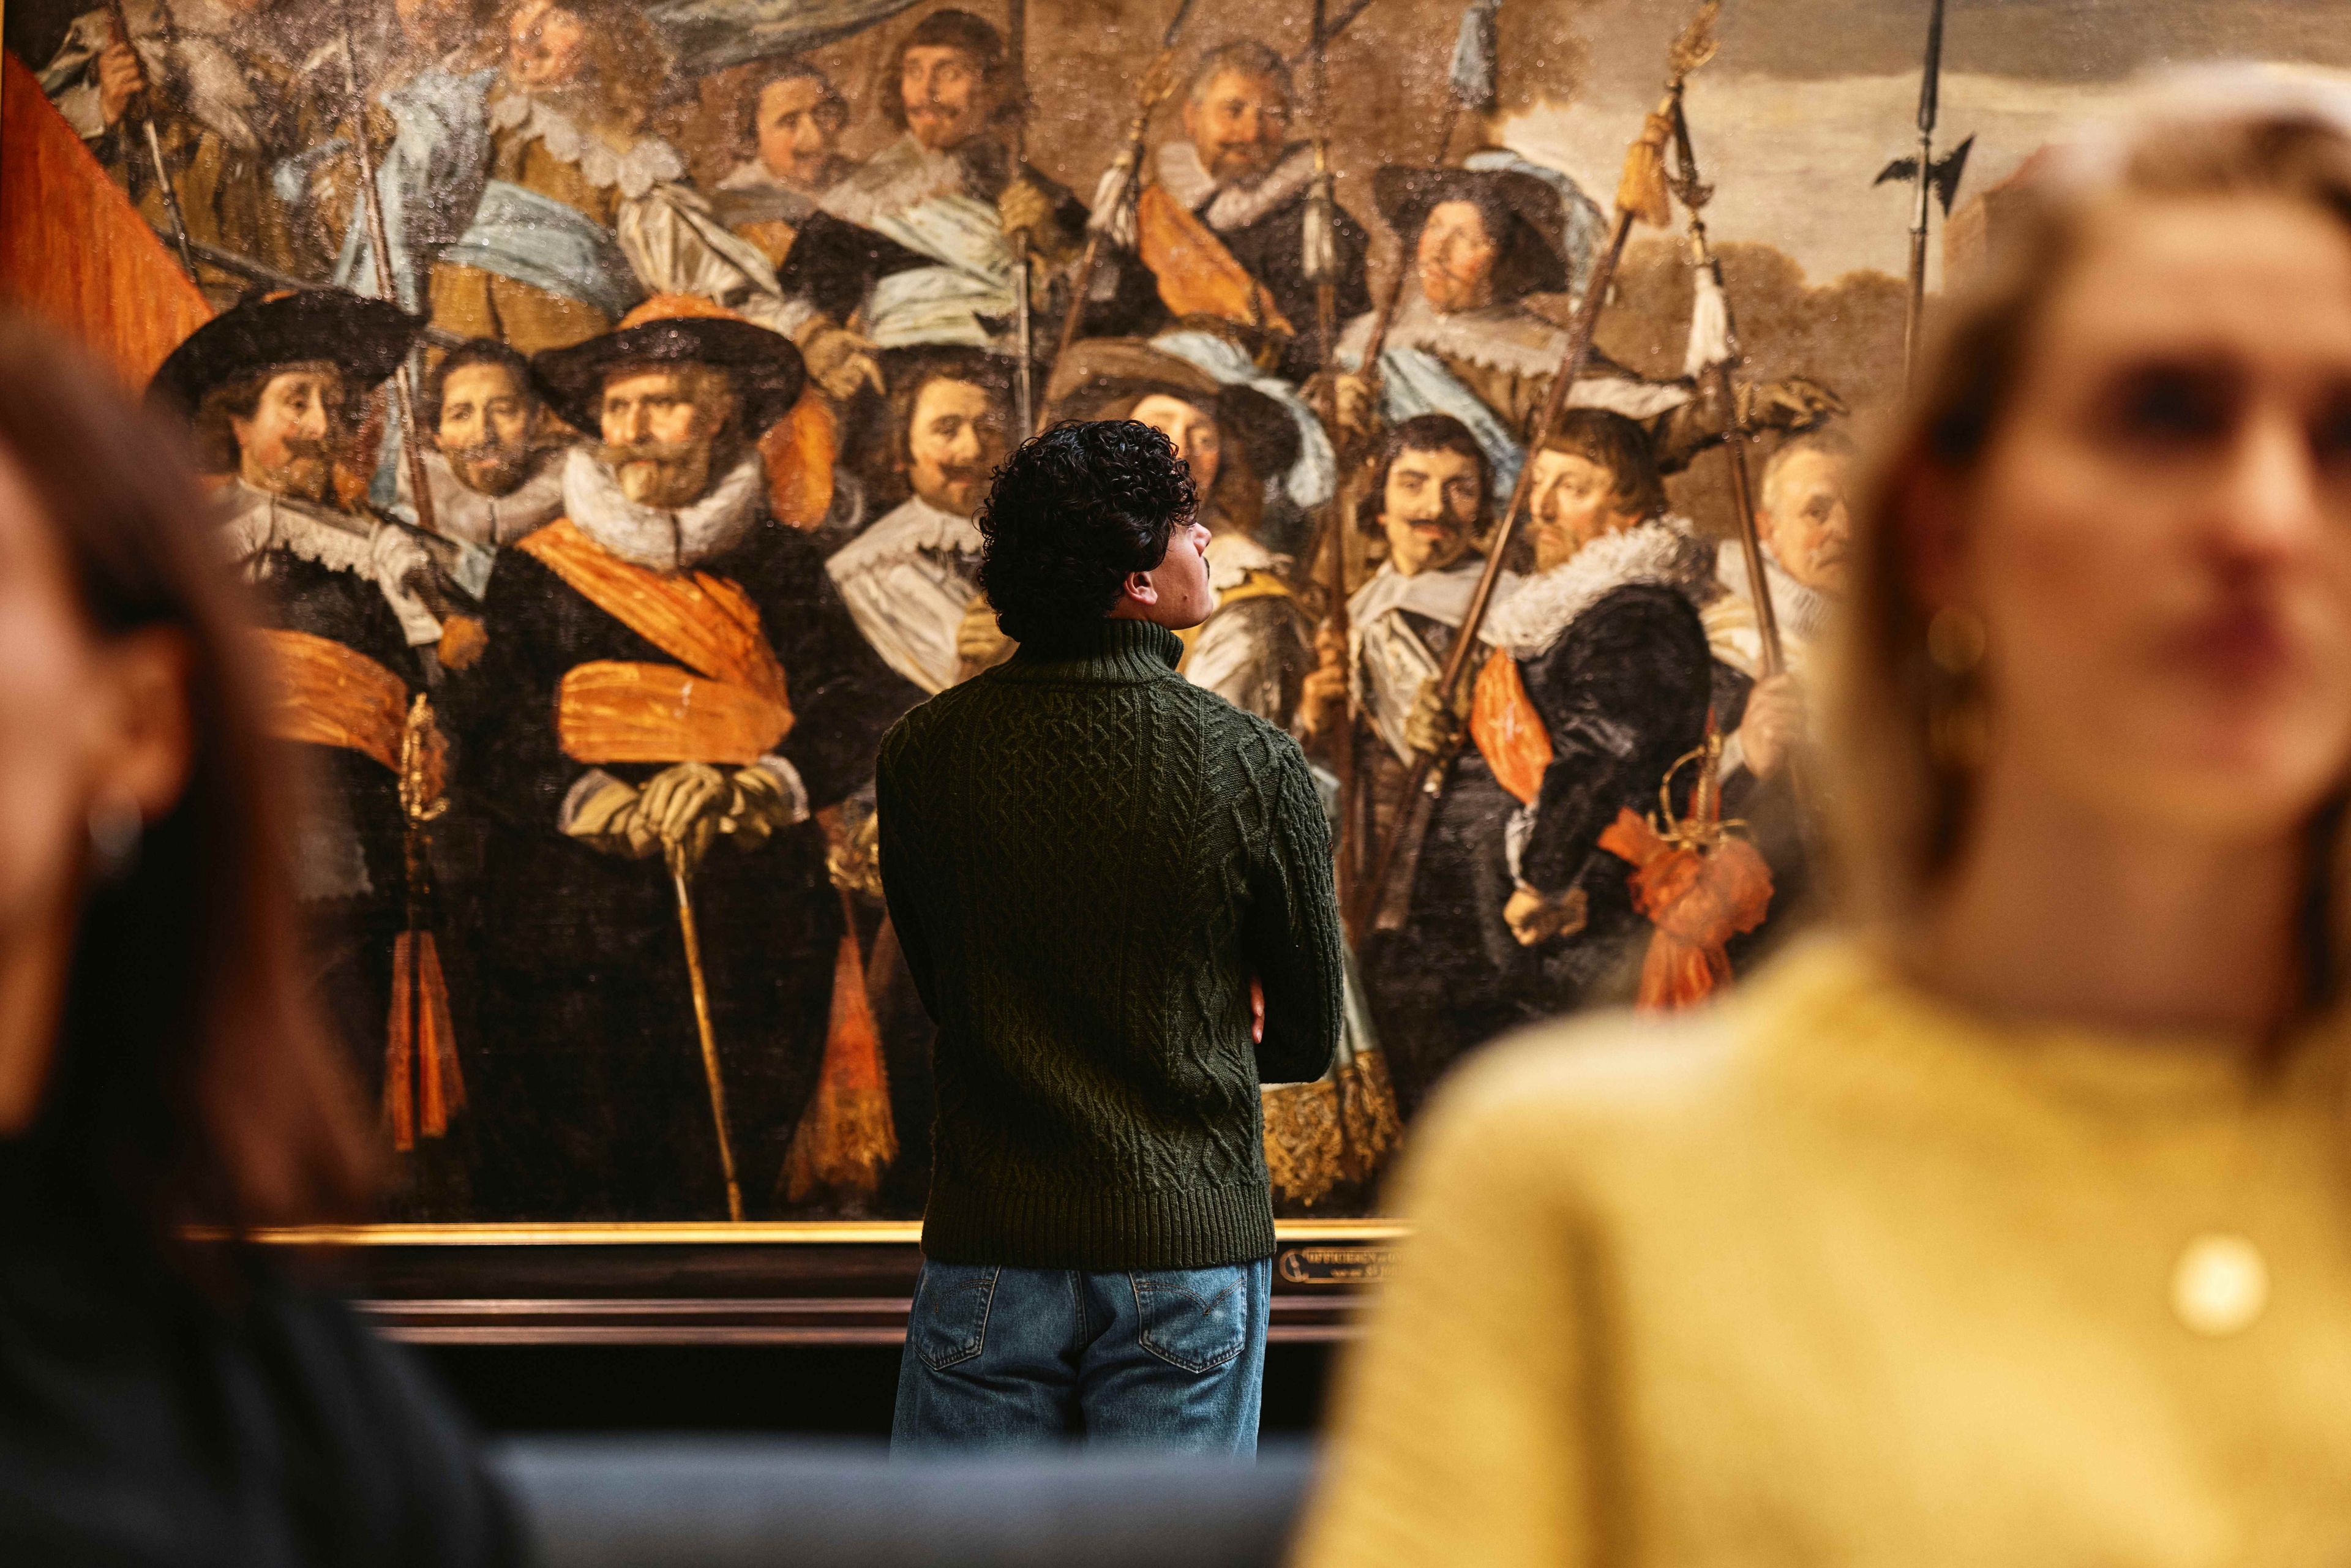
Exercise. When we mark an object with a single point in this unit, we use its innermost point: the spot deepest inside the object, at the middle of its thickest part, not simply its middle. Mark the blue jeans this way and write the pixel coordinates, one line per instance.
(1171, 1357)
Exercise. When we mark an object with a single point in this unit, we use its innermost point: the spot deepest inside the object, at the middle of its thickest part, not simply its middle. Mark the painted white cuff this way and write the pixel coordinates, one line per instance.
(789, 777)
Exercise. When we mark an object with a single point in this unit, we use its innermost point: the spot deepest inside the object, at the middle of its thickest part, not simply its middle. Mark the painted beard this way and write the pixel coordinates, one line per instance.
(490, 468)
(956, 489)
(667, 475)
(1242, 163)
(940, 129)
(307, 473)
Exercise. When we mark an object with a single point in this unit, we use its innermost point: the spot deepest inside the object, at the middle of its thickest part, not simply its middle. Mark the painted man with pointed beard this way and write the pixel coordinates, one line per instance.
(673, 689)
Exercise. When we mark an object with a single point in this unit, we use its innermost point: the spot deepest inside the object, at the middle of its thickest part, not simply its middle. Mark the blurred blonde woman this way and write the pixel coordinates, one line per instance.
(2013, 1225)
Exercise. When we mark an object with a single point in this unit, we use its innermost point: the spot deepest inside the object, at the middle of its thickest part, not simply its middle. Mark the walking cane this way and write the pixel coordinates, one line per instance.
(678, 879)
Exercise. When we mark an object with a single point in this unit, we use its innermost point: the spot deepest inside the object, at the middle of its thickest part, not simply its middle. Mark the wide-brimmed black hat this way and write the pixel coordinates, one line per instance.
(1098, 372)
(1533, 242)
(365, 338)
(765, 365)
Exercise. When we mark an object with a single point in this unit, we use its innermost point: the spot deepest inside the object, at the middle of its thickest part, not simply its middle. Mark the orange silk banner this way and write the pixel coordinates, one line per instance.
(73, 250)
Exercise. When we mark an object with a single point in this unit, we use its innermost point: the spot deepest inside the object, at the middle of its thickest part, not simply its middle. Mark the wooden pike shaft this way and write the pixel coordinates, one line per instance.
(411, 440)
(701, 988)
(1024, 308)
(165, 191)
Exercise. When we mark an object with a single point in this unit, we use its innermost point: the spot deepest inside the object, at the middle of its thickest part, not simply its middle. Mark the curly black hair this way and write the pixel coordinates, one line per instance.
(1071, 512)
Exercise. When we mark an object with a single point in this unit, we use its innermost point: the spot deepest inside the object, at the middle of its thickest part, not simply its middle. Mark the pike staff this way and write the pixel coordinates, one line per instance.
(1472, 87)
(1321, 263)
(1938, 181)
(681, 879)
(379, 246)
(1641, 194)
(145, 114)
(1114, 197)
(1714, 357)
(1024, 327)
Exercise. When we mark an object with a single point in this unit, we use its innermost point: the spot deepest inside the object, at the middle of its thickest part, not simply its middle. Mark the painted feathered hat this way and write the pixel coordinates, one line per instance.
(1540, 218)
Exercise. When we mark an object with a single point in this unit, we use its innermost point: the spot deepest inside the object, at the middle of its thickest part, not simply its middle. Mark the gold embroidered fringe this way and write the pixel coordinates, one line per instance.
(1333, 1133)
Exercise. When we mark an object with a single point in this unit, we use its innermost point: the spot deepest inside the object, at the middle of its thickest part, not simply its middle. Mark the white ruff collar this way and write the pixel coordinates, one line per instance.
(1803, 612)
(1661, 552)
(1227, 205)
(1507, 337)
(651, 536)
(902, 175)
(646, 161)
(257, 521)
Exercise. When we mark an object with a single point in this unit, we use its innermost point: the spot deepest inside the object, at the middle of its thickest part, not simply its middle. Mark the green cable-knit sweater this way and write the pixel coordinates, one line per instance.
(1087, 857)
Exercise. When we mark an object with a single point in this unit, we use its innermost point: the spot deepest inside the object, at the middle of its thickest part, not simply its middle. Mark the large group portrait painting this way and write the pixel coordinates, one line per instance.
(599, 397)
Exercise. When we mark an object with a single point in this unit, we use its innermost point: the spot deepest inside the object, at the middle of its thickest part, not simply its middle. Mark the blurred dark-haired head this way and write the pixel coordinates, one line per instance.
(157, 1063)
(1074, 515)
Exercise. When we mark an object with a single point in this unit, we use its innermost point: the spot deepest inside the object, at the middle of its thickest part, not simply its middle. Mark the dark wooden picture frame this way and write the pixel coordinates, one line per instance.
(783, 1283)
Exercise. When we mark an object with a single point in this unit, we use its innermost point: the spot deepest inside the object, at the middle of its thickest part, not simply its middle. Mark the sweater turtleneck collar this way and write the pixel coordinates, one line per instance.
(1104, 650)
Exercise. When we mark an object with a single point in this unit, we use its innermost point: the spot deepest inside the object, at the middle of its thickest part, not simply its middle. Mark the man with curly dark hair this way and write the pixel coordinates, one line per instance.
(1114, 891)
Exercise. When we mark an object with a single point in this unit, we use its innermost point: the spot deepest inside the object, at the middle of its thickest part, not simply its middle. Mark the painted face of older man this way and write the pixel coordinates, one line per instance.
(661, 425)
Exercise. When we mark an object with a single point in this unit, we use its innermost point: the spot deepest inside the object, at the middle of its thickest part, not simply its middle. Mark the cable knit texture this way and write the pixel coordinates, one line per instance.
(1087, 858)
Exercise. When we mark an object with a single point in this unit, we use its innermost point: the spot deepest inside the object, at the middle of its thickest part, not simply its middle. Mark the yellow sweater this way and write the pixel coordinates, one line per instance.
(1838, 1273)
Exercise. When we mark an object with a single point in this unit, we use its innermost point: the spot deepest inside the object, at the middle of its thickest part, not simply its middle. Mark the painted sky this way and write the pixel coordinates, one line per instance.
(1810, 99)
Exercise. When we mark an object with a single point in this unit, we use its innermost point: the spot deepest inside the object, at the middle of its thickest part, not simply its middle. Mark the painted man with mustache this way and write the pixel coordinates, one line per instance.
(1242, 185)
(672, 684)
(494, 459)
(792, 119)
(911, 579)
(1434, 962)
(918, 246)
(1465, 340)
(1603, 651)
(269, 385)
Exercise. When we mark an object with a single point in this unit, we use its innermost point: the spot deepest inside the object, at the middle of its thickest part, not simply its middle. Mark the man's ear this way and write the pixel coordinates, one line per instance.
(1139, 587)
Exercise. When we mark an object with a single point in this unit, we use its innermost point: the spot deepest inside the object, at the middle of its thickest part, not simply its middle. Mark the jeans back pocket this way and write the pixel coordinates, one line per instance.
(949, 1321)
(1194, 1319)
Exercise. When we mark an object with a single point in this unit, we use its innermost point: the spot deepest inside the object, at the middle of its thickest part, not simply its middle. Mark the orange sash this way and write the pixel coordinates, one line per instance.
(328, 694)
(1197, 276)
(733, 708)
(1509, 733)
